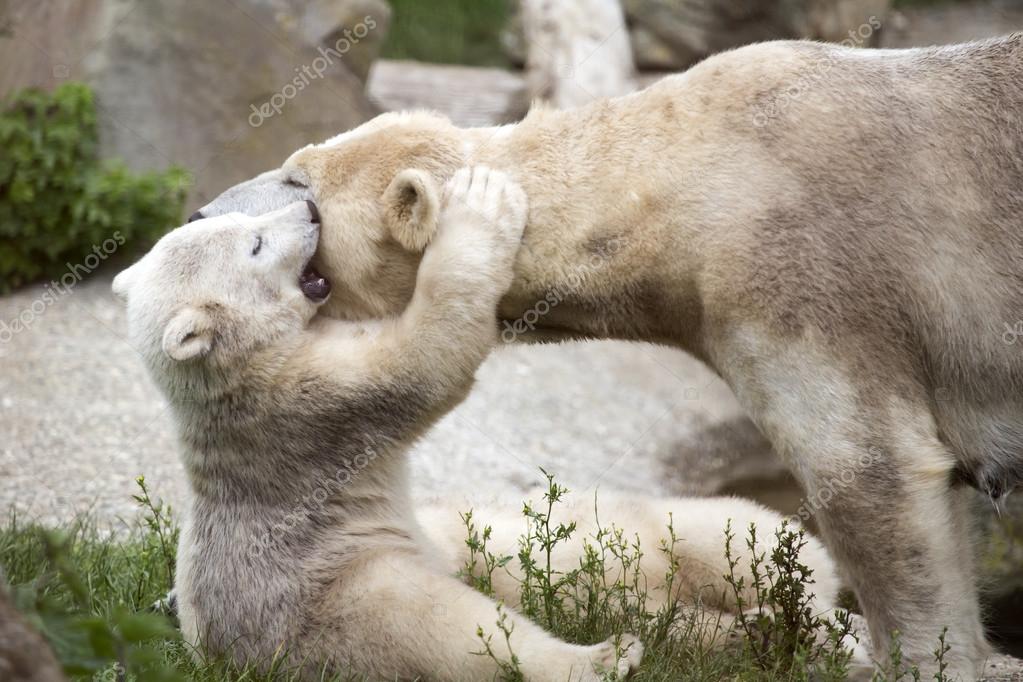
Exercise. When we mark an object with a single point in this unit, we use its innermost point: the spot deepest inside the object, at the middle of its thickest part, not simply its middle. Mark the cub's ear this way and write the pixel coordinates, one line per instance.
(412, 208)
(123, 282)
(188, 335)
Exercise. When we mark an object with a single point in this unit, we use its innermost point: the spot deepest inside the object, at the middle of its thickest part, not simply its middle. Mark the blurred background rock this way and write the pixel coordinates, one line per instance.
(225, 90)
(176, 81)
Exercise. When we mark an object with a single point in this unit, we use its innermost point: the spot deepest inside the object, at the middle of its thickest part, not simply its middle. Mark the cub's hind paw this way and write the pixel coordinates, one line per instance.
(619, 657)
(168, 605)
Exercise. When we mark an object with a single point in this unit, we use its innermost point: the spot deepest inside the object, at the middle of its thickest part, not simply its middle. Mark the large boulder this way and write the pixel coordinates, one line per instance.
(576, 51)
(947, 23)
(226, 90)
(674, 35)
(354, 28)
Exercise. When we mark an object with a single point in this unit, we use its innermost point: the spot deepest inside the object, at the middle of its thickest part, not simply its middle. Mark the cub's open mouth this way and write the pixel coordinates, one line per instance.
(315, 286)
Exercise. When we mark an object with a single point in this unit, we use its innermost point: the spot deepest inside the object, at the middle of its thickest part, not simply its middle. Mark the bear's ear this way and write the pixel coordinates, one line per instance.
(412, 208)
(188, 335)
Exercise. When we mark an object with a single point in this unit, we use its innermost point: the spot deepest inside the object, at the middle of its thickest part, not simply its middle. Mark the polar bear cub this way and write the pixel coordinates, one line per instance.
(274, 405)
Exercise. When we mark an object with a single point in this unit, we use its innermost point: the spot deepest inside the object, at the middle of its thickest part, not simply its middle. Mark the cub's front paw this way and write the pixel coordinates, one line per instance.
(487, 203)
(616, 660)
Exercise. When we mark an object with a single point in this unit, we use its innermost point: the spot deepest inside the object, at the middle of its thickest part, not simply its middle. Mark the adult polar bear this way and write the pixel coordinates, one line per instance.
(835, 231)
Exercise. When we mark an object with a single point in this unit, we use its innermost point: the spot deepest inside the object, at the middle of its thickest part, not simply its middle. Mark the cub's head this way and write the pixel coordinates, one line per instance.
(378, 188)
(211, 293)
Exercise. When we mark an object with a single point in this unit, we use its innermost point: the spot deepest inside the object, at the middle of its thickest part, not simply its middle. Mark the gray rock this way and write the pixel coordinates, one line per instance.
(1003, 669)
(355, 28)
(576, 51)
(650, 53)
(952, 23)
(677, 34)
(219, 88)
(513, 40)
(469, 96)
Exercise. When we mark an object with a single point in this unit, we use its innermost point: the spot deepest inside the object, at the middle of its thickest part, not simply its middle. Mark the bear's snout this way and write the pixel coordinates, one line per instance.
(314, 213)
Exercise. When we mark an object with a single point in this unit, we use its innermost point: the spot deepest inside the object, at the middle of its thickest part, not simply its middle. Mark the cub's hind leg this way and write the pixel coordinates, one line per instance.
(400, 618)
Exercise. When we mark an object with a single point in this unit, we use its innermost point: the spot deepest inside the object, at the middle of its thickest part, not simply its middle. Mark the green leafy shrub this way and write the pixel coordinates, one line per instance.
(58, 202)
(448, 31)
(91, 599)
(782, 633)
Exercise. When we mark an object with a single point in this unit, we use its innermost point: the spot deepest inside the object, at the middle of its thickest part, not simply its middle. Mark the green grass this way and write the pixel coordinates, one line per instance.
(448, 31)
(90, 593)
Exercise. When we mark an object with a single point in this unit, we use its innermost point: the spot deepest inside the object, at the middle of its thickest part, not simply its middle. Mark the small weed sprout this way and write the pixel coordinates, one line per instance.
(481, 579)
(781, 630)
(160, 522)
(939, 656)
(896, 670)
(540, 588)
(667, 619)
(509, 669)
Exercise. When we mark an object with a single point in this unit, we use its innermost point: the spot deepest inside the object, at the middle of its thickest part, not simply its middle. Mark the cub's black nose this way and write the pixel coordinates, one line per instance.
(195, 216)
(314, 213)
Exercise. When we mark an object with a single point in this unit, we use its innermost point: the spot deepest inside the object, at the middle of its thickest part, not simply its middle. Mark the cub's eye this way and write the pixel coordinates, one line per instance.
(258, 246)
(292, 182)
